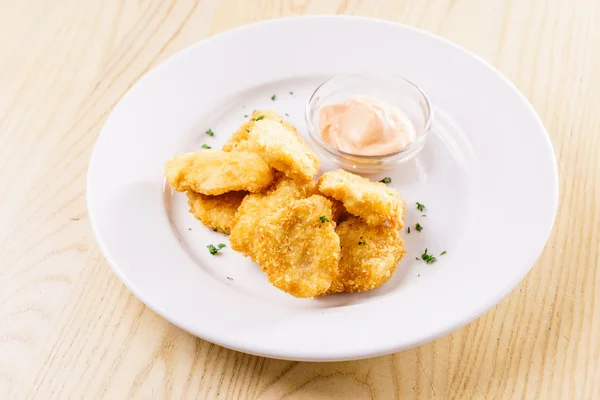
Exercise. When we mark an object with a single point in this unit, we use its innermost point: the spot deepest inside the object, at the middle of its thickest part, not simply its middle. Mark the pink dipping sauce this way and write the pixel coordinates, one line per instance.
(366, 126)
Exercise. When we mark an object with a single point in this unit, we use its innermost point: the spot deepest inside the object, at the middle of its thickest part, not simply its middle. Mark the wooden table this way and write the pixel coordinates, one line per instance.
(70, 329)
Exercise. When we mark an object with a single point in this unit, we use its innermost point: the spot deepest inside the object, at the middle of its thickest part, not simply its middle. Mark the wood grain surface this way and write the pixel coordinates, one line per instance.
(70, 329)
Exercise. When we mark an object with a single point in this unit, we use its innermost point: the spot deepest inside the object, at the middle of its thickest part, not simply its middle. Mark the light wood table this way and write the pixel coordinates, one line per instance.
(70, 329)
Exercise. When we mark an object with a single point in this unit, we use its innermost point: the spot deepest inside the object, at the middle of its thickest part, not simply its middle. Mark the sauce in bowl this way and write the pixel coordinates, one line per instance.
(366, 126)
(368, 123)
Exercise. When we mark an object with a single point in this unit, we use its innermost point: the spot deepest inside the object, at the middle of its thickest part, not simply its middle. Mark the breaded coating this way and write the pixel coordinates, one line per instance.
(298, 249)
(369, 255)
(237, 141)
(338, 210)
(216, 212)
(283, 150)
(374, 202)
(214, 172)
(255, 207)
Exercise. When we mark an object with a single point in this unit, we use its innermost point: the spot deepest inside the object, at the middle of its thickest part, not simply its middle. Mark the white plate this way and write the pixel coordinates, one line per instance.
(487, 176)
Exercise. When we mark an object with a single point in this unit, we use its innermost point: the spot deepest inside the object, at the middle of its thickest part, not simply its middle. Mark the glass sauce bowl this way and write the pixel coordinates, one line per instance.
(397, 91)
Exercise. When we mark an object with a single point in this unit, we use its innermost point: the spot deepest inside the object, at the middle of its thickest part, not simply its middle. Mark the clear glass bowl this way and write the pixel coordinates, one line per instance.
(397, 91)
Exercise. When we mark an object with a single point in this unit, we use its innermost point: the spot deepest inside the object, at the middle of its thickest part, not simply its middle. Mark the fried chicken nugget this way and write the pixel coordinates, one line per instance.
(214, 172)
(369, 255)
(237, 141)
(216, 212)
(255, 207)
(374, 202)
(298, 249)
(283, 150)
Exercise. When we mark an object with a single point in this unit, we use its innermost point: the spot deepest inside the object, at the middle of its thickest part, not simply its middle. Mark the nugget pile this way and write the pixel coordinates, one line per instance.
(310, 239)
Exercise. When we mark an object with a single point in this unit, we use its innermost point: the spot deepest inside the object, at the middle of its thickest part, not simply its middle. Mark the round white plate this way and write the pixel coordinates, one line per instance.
(487, 177)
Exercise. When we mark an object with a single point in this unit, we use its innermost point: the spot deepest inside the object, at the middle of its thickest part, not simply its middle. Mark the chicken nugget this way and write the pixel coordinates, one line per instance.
(214, 172)
(283, 150)
(216, 212)
(369, 255)
(237, 141)
(298, 249)
(255, 207)
(374, 202)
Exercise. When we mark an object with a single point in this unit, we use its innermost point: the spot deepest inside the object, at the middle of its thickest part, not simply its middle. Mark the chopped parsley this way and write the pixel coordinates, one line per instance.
(428, 258)
(259, 118)
(420, 206)
(245, 115)
(443, 252)
(230, 278)
(362, 242)
(386, 180)
(418, 227)
(274, 97)
(210, 132)
(214, 250)
(247, 130)
(189, 229)
(205, 146)
(287, 115)
(323, 219)
(292, 93)
(408, 230)
(417, 258)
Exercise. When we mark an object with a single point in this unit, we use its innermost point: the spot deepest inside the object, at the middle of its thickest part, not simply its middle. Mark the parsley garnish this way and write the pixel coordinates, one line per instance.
(273, 97)
(245, 115)
(386, 180)
(247, 130)
(361, 241)
(292, 93)
(210, 132)
(420, 206)
(230, 278)
(419, 227)
(417, 258)
(428, 258)
(259, 118)
(323, 219)
(214, 250)
(287, 115)
(205, 146)
(443, 252)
